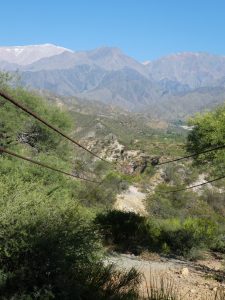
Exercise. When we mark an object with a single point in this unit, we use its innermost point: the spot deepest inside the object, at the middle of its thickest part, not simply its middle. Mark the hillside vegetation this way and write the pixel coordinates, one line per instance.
(50, 247)
(54, 230)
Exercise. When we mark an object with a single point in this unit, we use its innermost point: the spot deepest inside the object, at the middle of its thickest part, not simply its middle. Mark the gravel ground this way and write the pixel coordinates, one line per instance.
(194, 281)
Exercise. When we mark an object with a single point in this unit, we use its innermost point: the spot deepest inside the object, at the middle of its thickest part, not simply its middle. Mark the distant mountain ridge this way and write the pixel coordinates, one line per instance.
(24, 55)
(194, 69)
(165, 86)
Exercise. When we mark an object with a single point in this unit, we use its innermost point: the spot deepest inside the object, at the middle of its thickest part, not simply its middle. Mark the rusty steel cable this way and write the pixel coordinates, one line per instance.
(3, 150)
(93, 190)
(34, 115)
(191, 187)
(191, 155)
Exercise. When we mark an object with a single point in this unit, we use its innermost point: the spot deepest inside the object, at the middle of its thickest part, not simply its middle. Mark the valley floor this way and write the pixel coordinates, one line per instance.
(191, 280)
(198, 280)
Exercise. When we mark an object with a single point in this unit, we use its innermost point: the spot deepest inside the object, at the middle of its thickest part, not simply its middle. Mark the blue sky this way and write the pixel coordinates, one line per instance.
(144, 29)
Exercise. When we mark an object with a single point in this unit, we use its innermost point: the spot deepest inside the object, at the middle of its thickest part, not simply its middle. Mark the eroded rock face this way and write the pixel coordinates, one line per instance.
(134, 161)
(131, 161)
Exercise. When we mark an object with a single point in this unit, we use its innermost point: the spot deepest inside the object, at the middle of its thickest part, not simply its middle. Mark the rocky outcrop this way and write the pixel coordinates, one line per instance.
(130, 161)
(134, 161)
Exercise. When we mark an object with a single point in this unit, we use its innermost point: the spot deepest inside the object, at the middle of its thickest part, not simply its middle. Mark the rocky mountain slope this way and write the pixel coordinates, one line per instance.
(192, 69)
(171, 87)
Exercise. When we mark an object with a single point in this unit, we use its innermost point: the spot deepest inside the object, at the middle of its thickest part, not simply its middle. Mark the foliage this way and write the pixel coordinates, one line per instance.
(180, 204)
(50, 245)
(178, 174)
(131, 232)
(103, 195)
(208, 132)
(127, 231)
(188, 235)
(216, 200)
(50, 248)
(45, 242)
(21, 128)
(161, 288)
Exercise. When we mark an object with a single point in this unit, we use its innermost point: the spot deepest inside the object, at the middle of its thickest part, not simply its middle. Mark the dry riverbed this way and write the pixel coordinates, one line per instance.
(192, 280)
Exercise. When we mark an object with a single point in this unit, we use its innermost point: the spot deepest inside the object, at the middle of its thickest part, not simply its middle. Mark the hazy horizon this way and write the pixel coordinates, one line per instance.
(108, 46)
(145, 30)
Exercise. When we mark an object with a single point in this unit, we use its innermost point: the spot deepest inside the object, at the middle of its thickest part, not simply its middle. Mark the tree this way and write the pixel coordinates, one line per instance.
(208, 132)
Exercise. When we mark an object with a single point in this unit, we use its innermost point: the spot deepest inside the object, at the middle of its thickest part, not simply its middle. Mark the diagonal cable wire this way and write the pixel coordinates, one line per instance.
(94, 189)
(191, 187)
(192, 155)
(43, 165)
(28, 111)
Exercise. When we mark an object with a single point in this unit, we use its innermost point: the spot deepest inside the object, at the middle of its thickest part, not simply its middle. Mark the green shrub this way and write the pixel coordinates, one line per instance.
(126, 230)
(191, 234)
(131, 232)
(103, 195)
(50, 248)
(169, 205)
(216, 200)
(160, 287)
(208, 132)
(44, 243)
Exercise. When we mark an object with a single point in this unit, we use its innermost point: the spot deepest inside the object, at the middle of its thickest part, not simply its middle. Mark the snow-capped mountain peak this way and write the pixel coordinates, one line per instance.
(145, 63)
(25, 55)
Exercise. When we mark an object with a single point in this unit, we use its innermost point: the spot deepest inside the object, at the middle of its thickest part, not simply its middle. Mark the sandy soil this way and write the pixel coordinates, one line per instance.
(131, 201)
(194, 281)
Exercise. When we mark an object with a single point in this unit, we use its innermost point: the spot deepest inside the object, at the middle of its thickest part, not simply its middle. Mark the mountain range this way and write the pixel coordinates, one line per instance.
(171, 87)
